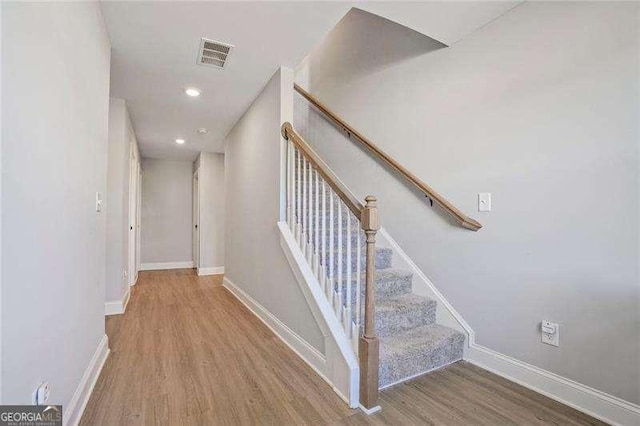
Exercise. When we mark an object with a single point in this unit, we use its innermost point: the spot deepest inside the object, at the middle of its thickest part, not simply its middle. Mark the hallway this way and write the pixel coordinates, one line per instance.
(187, 352)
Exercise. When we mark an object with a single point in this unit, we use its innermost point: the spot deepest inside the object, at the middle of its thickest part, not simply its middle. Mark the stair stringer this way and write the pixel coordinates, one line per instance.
(341, 369)
(445, 313)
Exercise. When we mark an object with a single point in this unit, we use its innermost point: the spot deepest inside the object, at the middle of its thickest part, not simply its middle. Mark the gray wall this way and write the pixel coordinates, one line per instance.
(166, 211)
(212, 199)
(540, 108)
(254, 258)
(121, 136)
(55, 106)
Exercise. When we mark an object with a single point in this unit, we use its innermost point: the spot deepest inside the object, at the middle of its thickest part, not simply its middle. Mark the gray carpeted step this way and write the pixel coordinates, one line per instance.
(389, 283)
(399, 314)
(417, 351)
(383, 259)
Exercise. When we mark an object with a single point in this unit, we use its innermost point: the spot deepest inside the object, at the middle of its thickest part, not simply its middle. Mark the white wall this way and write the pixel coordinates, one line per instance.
(54, 156)
(540, 108)
(121, 137)
(254, 260)
(166, 211)
(211, 188)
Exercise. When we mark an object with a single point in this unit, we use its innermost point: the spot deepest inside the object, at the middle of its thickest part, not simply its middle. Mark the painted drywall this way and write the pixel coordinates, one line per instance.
(539, 108)
(121, 140)
(211, 188)
(166, 211)
(254, 259)
(54, 155)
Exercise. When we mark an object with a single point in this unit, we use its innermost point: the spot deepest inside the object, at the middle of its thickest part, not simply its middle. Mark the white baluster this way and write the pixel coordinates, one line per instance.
(323, 252)
(310, 218)
(347, 324)
(358, 278)
(298, 187)
(303, 237)
(310, 196)
(290, 185)
(332, 276)
(316, 242)
(339, 302)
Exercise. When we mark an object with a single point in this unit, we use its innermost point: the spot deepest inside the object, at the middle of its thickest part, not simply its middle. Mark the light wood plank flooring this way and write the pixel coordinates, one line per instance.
(187, 352)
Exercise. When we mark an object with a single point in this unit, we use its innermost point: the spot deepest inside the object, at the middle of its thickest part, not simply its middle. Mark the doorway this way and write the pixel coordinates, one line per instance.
(134, 216)
(196, 221)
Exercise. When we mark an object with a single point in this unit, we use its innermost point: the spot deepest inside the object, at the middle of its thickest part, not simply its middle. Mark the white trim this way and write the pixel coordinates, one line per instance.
(421, 285)
(304, 350)
(593, 402)
(216, 270)
(119, 306)
(166, 265)
(370, 411)
(73, 411)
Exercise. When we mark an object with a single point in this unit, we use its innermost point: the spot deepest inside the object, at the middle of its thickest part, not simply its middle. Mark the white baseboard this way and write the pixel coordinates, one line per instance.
(304, 350)
(593, 402)
(119, 306)
(72, 413)
(370, 411)
(165, 265)
(216, 270)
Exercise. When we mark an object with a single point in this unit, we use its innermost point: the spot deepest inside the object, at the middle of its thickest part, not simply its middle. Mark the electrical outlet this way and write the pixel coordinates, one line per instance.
(124, 274)
(41, 394)
(550, 333)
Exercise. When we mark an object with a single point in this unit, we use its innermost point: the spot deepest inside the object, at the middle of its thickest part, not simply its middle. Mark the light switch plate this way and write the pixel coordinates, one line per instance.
(98, 202)
(484, 202)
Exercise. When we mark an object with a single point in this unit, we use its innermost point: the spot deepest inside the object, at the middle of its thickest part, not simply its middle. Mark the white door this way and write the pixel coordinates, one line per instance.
(133, 222)
(196, 221)
(138, 218)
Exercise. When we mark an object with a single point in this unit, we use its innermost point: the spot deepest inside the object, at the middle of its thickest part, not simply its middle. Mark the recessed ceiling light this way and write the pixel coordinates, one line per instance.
(179, 141)
(192, 91)
(202, 131)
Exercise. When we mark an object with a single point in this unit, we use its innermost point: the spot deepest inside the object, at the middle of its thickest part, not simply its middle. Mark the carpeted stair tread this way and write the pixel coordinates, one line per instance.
(389, 283)
(417, 351)
(395, 315)
(383, 259)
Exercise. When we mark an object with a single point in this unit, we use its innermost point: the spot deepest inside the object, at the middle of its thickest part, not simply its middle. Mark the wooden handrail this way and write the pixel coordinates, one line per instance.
(341, 191)
(458, 216)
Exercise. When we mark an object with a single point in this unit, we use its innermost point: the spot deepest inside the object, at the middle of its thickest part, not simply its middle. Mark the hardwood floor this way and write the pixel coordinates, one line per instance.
(187, 352)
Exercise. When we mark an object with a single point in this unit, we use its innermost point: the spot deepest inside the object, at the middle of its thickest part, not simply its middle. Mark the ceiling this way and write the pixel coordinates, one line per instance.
(155, 45)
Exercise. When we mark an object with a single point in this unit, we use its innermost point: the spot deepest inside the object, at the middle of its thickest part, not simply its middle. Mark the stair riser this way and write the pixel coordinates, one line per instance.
(412, 363)
(392, 323)
(382, 261)
(385, 287)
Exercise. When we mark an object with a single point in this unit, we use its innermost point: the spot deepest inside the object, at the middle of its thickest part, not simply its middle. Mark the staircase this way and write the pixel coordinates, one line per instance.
(411, 342)
(392, 331)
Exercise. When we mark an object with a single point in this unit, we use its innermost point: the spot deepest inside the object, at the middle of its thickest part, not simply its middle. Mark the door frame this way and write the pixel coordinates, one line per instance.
(195, 235)
(132, 261)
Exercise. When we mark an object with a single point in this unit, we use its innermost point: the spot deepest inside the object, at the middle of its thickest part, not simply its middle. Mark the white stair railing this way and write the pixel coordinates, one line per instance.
(325, 229)
(327, 222)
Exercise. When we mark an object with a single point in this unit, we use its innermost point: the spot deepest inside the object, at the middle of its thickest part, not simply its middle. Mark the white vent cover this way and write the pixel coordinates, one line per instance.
(213, 53)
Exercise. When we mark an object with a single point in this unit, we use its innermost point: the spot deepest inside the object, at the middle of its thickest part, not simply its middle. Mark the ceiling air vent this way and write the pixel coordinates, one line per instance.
(213, 53)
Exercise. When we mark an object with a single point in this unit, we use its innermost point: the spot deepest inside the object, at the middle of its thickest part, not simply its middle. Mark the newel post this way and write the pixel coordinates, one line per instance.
(369, 347)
